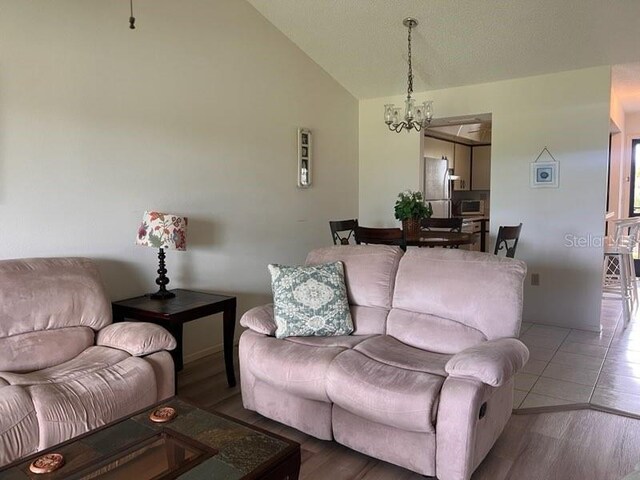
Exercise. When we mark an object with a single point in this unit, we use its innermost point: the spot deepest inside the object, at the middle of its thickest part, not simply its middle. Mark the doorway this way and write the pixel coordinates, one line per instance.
(465, 143)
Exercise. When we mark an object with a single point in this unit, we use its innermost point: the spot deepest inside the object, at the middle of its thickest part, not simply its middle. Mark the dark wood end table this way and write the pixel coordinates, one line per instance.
(173, 313)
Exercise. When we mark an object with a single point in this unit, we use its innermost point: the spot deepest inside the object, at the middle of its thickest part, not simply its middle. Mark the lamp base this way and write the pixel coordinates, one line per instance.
(162, 280)
(162, 295)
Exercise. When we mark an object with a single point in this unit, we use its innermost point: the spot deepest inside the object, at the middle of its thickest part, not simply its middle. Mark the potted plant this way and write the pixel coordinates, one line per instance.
(410, 209)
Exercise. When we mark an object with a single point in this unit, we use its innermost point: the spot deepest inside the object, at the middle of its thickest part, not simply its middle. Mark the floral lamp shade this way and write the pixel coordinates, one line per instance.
(163, 230)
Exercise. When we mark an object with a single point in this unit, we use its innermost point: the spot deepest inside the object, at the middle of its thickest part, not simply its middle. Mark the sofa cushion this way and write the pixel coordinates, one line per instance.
(310, 300)
(366, 320)
(72, 407)
(294, 368)
(344, 341)
(494, 362)
(30, 351)
(432, 333)
(388, 350)
(479, 290)
(88, 362)
(401, 398)
(370, 271)
(47, 293)
(260, 319)
(18, 424)
(136, 338)
(369, 320)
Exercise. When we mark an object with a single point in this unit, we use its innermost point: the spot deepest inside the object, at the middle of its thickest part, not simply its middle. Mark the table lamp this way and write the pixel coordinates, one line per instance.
(162, 230)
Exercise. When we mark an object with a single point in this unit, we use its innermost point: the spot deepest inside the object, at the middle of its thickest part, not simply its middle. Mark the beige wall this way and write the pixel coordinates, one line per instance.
(569, 113)
(195, 113)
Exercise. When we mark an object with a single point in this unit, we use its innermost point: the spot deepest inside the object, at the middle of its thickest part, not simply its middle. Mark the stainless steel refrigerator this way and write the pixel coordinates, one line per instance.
(436, 185)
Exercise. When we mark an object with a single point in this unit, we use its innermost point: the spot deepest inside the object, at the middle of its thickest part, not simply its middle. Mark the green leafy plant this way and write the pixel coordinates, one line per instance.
(410, 204)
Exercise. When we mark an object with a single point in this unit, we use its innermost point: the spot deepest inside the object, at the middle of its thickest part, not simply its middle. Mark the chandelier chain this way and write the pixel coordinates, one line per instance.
(132, 19)
(416, 117)
(410, 76)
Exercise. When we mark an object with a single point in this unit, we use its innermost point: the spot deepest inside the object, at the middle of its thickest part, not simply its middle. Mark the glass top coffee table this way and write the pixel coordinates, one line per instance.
(195, 445)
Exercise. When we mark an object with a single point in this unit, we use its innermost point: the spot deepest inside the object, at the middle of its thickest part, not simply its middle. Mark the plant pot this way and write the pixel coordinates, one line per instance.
(411, 227)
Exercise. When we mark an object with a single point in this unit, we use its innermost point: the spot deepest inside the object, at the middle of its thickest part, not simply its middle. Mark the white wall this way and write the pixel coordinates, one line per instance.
(195, 112)
(569, 113)
(631, 132)
(632, 122)
(618, 186)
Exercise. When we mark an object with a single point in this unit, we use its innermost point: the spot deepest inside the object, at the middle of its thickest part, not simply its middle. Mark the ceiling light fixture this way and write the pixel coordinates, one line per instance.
(415, 117)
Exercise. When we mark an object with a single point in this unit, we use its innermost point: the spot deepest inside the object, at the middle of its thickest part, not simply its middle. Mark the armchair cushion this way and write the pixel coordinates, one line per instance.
(260, 320)
(31, 351)
(136, 338)
(493, 362)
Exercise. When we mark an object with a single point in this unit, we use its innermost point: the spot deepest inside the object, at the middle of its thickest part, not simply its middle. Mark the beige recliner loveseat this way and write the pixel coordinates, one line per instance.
(65, 368)
(426, 379)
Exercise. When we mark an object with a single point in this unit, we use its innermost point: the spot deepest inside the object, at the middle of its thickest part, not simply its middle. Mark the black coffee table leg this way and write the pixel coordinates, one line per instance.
(229, 326)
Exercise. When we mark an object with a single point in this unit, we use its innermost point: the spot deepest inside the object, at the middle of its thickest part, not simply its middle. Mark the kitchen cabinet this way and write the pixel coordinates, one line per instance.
(481, 168)
(462, 167)
(436, 148)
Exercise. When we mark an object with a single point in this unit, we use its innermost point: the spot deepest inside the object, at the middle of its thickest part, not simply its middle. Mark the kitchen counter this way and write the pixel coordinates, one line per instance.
(473, 218)
(482, 229)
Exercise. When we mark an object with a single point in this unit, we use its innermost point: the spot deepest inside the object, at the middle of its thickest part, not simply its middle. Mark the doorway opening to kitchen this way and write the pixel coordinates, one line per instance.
(461, 147)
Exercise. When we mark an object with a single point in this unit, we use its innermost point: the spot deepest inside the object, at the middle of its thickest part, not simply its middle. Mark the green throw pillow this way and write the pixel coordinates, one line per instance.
(310, 300)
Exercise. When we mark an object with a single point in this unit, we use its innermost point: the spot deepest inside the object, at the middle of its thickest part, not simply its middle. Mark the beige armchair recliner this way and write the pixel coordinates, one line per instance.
(65, 368)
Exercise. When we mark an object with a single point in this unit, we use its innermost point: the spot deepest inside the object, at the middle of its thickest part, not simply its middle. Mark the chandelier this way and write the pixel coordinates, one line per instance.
(416, 117)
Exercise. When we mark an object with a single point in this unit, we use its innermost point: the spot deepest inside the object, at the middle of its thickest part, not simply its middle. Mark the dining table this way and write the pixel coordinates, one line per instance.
(434, 238)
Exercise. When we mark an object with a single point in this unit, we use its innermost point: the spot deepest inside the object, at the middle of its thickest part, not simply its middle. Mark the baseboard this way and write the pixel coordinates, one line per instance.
(192, 357)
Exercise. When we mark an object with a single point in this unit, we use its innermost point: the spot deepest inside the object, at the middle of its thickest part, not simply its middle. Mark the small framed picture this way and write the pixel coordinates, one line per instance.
(305, 160)
(544, 175)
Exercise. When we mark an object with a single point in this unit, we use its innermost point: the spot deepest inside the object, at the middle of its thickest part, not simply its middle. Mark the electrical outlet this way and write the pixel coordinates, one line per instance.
(535, 279)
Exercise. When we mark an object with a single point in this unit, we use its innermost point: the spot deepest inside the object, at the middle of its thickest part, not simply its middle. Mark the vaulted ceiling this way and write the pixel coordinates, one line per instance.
(362, 43)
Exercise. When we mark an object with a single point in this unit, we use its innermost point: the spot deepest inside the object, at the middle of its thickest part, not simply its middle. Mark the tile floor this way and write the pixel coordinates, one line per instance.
(569, 366)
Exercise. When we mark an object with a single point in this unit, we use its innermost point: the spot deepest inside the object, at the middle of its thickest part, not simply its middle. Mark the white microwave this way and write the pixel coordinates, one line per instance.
(472, 207)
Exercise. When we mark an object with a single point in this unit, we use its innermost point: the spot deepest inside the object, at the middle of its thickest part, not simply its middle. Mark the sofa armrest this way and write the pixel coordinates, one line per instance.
(493, 362)
(136, 338)
(260, 320)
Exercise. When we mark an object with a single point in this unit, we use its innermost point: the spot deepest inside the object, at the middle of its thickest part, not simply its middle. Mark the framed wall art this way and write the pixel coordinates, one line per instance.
(544, 173)
(305, 154)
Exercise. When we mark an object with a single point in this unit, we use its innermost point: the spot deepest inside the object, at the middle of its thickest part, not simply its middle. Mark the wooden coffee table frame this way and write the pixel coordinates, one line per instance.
(286, 462)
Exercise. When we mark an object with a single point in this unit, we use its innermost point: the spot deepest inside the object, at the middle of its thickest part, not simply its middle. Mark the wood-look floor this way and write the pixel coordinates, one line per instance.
(579, 444)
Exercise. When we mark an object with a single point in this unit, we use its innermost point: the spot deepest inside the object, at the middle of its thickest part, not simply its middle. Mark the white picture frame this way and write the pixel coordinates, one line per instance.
(305, 158)
(544, 175)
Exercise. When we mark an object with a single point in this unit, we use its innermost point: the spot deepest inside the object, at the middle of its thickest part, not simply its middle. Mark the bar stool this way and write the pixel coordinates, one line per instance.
(630, 242)
(619, 275)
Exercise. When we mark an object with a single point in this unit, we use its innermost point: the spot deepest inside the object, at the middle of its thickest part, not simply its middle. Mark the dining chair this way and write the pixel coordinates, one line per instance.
(507, 234)
(338, 227)
(384, 236)
(442, 224)
(439, 223)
